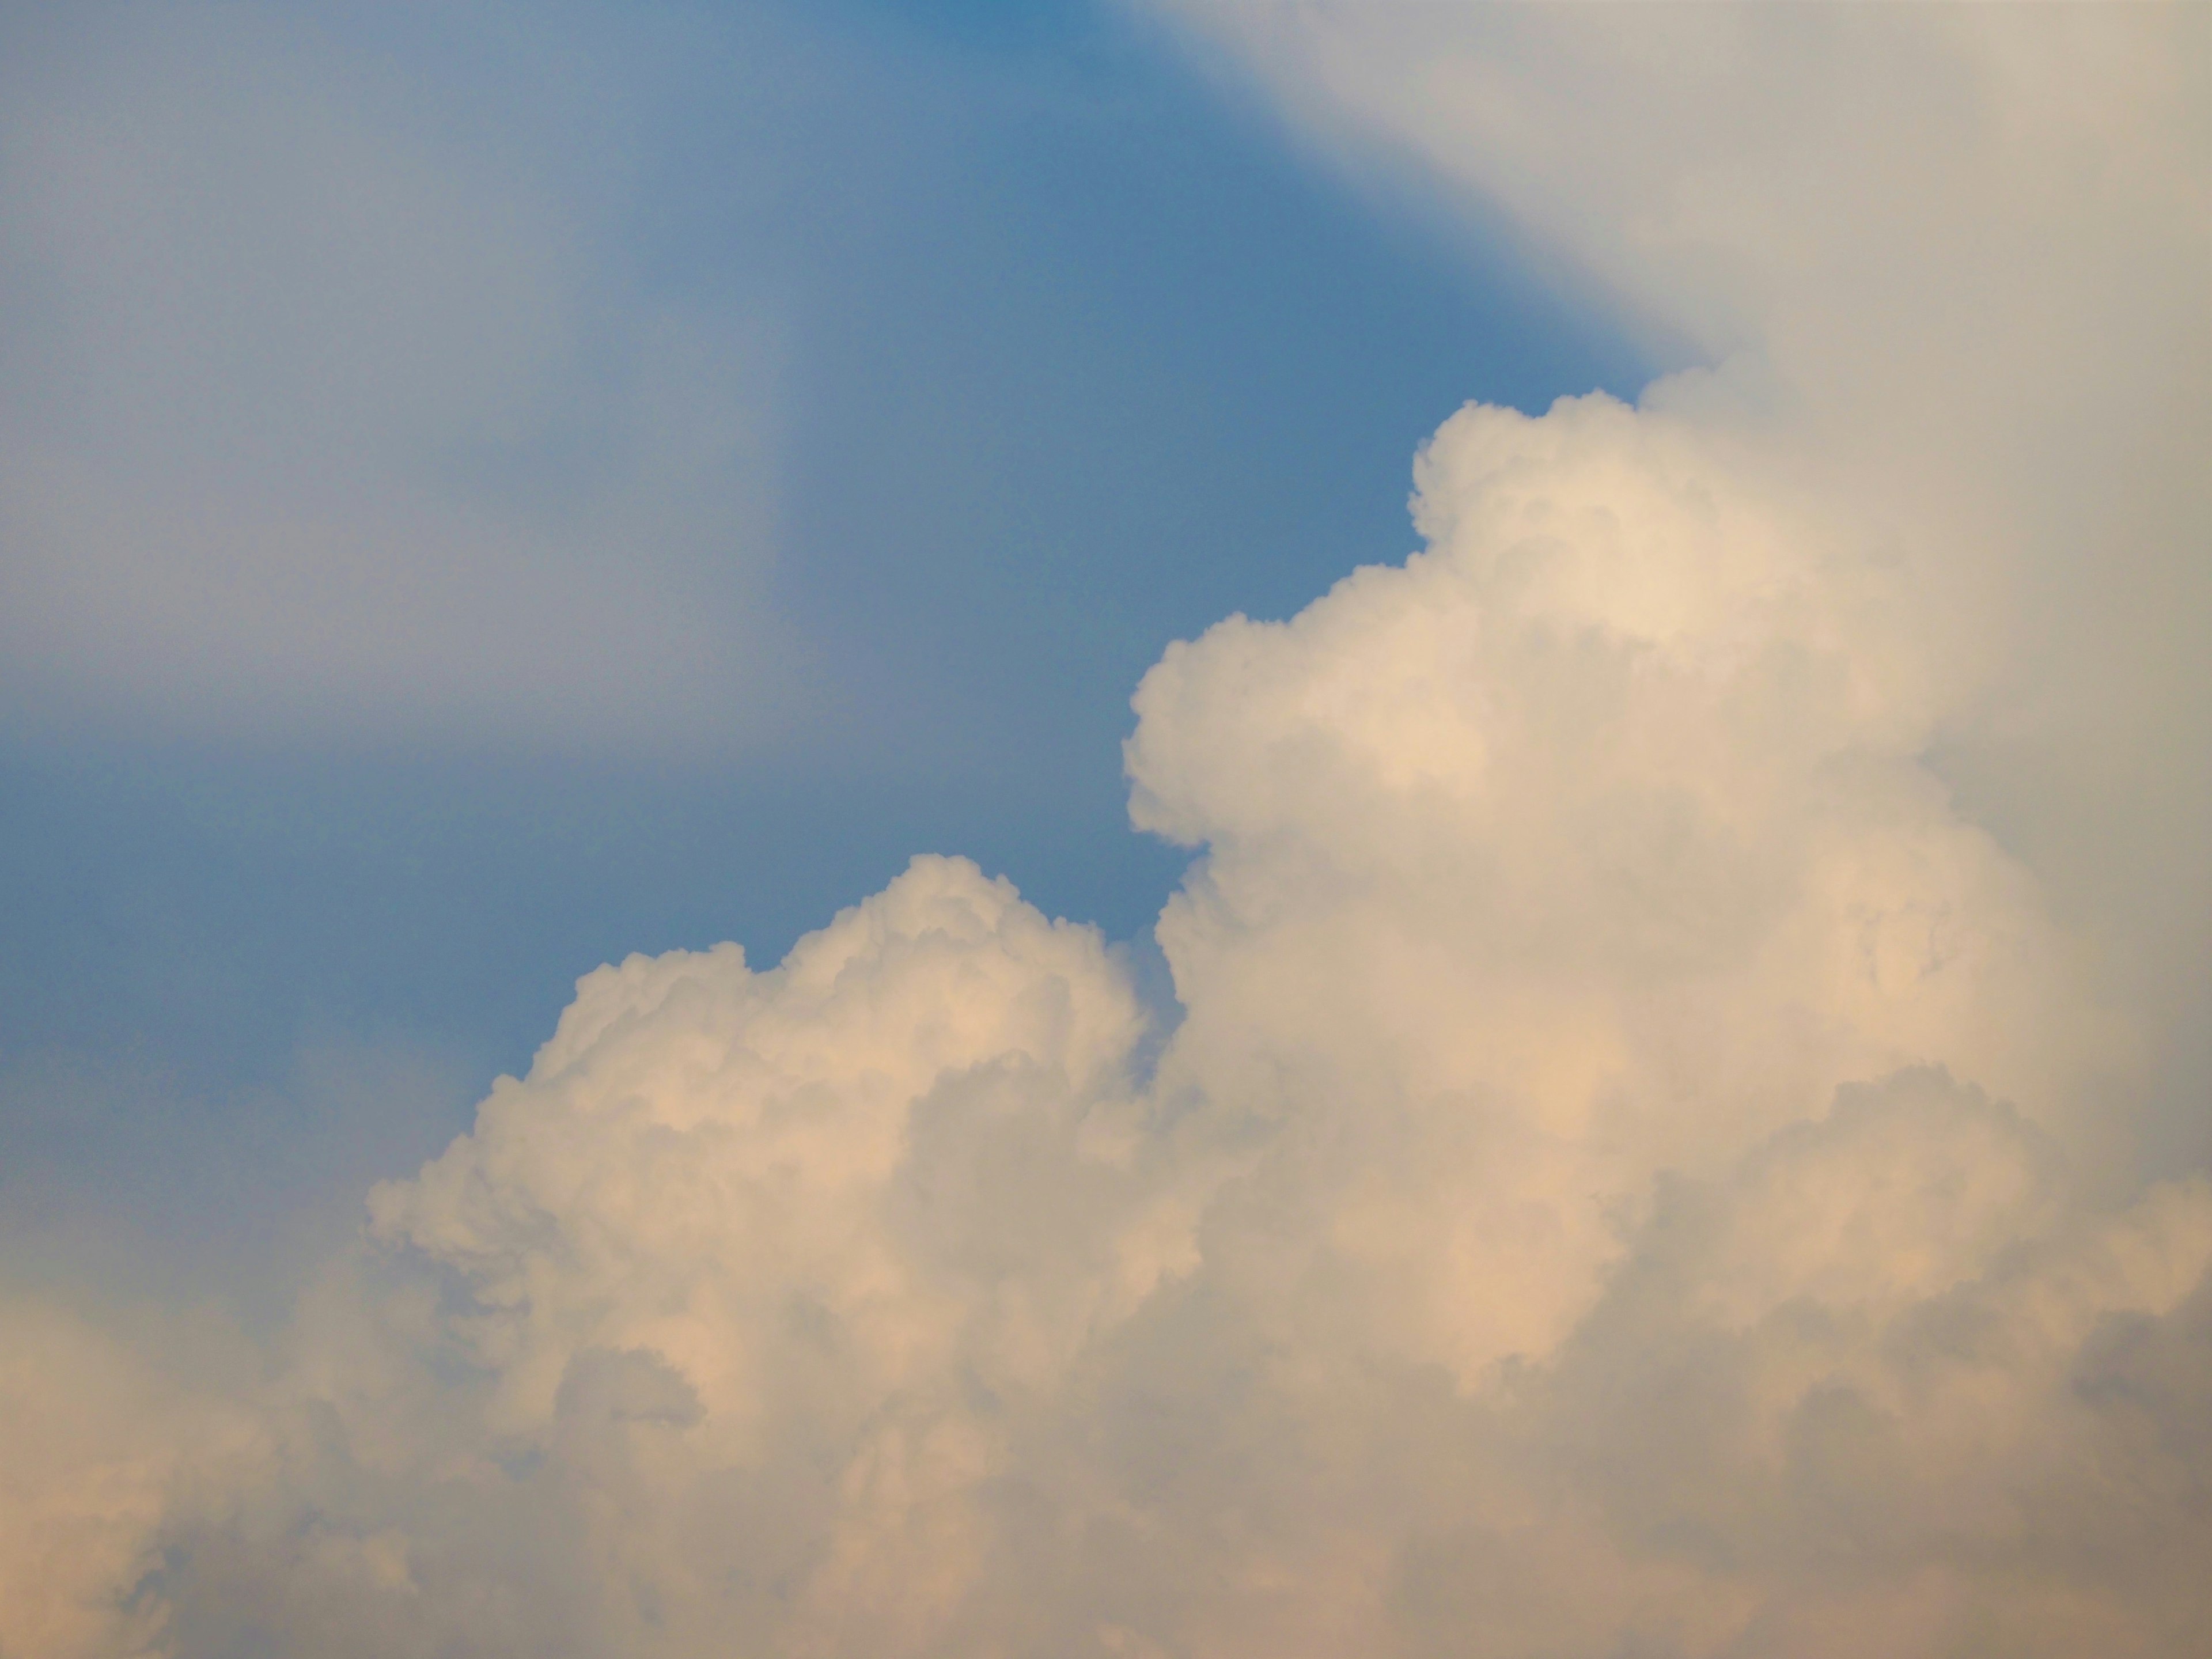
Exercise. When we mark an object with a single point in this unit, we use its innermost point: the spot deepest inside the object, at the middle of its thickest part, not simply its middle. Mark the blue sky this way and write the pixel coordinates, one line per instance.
(1050, 349)
(1650, 559)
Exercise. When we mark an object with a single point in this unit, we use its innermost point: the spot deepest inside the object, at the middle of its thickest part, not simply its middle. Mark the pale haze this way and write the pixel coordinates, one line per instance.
(1667, 1115)
(274, 298)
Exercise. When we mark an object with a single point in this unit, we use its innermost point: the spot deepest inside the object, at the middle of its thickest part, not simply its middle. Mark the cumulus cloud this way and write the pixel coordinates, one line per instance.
(1632, 1168)
(100, 1441)
(1951, 262)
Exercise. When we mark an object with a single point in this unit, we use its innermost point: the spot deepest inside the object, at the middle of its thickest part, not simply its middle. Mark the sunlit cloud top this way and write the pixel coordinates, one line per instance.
(1669, 1129)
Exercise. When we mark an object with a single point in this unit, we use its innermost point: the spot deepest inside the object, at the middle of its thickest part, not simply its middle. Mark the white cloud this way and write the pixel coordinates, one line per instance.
(1953, 261)
(1640, 1169)
(1594, 843)
(99, 1443)
(78, 1503)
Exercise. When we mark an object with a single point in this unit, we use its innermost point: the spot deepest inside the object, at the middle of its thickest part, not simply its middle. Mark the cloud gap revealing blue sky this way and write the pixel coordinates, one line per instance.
(1043, 353)
(1108, 829)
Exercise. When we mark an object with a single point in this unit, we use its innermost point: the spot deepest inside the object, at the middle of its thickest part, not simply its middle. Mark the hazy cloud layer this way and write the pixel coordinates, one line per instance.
(1640, 1169)
(330, 409)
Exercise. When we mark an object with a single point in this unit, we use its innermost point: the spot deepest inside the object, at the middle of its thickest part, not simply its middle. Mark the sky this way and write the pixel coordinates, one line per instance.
(1017, 351)
(1137, 828)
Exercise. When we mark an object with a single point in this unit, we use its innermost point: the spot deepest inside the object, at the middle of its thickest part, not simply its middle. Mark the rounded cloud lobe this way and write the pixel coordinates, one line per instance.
(1561, 1221)
(1632, 1175)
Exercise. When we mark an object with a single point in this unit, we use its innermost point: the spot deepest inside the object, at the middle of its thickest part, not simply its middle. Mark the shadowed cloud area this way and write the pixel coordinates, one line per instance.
(1669, 1130)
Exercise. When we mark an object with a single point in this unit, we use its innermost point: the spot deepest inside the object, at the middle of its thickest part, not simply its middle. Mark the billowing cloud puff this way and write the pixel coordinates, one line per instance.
(1560, 1220)
(1633, 1173)
(720, 1322)
(1949, 266)
(1592, 841)
(80, 1489)
(97, 1447)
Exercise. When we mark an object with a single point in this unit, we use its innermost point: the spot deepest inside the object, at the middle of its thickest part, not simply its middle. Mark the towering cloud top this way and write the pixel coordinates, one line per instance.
(1639, 1167)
